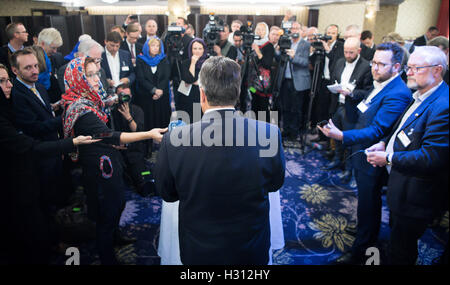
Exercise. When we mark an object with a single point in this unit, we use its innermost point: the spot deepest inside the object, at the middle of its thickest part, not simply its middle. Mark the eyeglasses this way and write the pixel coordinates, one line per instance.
(92, 75)
(24, 32)
(4, 80)
(416, 69)
(379, 65)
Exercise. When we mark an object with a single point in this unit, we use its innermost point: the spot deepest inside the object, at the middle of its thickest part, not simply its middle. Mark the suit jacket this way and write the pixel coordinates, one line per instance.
(126, 66)
(366, 52)
(138, 47)
(418, 182)
(335, 53)
(420, 41)
(300, 67)
(5, 55)
(377, 121)
(362, 76)
(223, 191)
(32, 117)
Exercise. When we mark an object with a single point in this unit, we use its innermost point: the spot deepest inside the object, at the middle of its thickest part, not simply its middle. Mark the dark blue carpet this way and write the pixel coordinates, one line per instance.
(318, 212)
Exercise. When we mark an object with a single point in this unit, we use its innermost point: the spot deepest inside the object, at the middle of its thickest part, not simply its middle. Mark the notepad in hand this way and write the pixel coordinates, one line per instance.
(335, 88)
(184, 88)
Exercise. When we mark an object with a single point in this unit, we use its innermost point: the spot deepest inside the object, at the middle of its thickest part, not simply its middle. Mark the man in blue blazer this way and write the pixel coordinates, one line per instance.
(221, 173)
(416, 155)
(377, 113)
(117, 62)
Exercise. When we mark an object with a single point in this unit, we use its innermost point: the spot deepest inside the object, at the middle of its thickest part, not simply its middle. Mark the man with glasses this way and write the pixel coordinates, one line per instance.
(17, 36)
(415, 154)
(378, 110)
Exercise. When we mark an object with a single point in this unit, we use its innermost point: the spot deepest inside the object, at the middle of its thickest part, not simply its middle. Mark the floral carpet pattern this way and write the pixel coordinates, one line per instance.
(319, 220)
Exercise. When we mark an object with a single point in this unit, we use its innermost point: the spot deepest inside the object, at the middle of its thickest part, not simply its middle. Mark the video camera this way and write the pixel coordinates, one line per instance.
(248, 37)
(173, 40)
(317, 41)
(285, 40)
(211, 33)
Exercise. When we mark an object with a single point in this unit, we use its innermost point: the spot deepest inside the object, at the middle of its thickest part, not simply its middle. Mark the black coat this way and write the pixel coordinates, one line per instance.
(25, 232)
(185, 103)
(157, 112)
(223, 191)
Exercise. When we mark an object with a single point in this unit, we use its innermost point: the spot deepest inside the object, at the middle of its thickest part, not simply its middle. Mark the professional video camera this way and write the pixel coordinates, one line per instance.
(317, 41)
(121, 98)
(211, 33)
(285, 40)
(248, 37)
(173, 40)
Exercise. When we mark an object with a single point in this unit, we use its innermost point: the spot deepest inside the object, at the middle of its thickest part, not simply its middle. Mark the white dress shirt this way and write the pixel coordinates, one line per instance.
(114, 65)
(326, 70)
(346, 75)
(418, 99)
(377, 87)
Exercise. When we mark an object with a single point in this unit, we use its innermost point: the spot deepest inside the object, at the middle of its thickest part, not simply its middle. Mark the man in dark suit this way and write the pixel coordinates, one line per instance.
(353, 73)
(416, 155)
(377, 113)
(117, 63)
(35, 117)
(17, 36)
(431, 33)
(130, 44)
(221, 181)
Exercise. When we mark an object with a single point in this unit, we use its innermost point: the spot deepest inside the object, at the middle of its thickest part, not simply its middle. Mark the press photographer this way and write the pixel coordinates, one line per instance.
(127, 117)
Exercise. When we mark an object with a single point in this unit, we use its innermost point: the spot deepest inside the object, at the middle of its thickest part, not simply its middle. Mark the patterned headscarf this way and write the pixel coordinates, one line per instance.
(80, 98)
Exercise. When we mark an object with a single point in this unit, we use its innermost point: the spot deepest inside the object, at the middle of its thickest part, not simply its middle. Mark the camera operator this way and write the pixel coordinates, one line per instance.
(237, 43)
(128, 117)
(265, 53)
(224, 47)
(296, 84)
(185, 38)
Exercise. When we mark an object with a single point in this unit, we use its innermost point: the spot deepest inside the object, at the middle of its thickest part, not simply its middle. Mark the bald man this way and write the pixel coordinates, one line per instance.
(353, 73)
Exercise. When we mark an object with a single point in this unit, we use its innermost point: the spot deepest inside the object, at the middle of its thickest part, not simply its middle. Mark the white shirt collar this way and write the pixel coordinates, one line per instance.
(421, 98)
(218, 109)
(109, 54)
(353, 64)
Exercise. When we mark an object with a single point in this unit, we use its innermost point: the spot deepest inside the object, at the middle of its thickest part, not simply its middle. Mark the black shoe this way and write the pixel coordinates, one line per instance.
(346, 176)
(332, 165)
(348, 258)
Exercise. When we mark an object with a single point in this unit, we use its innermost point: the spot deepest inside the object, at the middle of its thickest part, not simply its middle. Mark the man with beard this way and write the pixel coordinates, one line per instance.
(377, 113)
(416, 156)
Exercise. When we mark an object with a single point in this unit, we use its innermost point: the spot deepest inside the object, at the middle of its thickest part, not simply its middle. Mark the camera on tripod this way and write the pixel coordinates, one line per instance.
(285, 40)
(317, 41)
(248, 37)
(211, 33)
(173, 39)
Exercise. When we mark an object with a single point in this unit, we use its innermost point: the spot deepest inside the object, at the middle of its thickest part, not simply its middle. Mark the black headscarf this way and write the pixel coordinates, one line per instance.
(6, 108)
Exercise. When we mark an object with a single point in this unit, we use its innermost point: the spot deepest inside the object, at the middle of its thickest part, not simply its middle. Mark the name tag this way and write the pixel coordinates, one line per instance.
(362, 107)
(404, 138)
(125, 68)
(341, 99)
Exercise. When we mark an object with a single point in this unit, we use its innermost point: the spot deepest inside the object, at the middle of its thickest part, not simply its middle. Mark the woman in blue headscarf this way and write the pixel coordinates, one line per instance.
(152, 87)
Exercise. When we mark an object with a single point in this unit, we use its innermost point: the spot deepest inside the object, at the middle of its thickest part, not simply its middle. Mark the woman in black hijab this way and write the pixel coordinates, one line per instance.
(26, 233)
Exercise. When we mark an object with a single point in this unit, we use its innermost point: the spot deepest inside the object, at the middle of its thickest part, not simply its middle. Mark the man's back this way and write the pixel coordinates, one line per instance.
(223, 190)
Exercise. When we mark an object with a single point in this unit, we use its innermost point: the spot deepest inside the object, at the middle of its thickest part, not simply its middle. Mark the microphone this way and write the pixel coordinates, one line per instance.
(175, 124)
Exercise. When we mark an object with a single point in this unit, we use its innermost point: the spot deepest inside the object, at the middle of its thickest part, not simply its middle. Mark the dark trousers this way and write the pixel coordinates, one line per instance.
(321, 103)
(292, 106)
(368, 210)
(405, 232)
(259, 104)
(340, 121)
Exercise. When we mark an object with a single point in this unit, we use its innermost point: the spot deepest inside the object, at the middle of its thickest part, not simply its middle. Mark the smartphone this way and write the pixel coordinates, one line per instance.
(102, 135)
(323, 123)
(134, 17)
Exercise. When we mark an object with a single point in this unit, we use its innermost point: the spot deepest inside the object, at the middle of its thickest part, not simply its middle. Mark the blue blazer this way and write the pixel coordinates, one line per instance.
(418, 182)
(126, 66)
(377, 121)
(32, 117)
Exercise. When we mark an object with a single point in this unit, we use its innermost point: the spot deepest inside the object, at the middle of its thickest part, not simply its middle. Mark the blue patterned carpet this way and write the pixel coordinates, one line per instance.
(317, 211)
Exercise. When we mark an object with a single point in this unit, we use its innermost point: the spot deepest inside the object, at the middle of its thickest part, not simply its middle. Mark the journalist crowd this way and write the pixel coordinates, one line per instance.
(378, 112)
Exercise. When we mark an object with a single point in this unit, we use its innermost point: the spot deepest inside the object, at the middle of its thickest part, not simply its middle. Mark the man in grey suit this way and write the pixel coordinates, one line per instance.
(296, 84)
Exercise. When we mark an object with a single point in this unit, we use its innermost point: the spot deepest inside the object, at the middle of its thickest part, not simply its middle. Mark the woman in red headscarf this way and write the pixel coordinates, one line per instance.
(84, 113)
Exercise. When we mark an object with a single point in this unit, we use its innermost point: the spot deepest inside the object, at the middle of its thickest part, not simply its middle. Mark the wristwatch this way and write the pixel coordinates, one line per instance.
(387, 159)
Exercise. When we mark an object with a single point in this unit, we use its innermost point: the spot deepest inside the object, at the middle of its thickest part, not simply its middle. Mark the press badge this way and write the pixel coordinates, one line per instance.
(125, 68)
(404, 138)
(362, 107)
